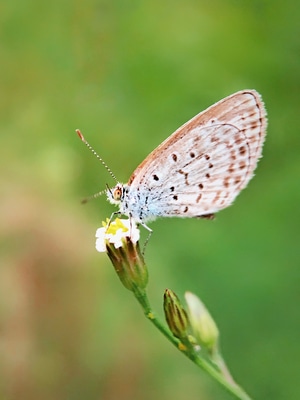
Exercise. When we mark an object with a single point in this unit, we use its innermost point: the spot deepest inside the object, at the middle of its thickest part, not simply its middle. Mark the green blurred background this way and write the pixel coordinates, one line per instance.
(128, 74)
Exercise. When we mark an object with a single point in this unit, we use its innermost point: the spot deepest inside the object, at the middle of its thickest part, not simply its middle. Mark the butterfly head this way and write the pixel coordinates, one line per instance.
(115, 195)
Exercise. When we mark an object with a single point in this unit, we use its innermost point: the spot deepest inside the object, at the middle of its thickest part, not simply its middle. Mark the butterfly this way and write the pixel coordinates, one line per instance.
(201, 168)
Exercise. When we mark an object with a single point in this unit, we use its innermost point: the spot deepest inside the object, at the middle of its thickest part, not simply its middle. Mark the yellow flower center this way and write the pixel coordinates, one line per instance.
(114, 226)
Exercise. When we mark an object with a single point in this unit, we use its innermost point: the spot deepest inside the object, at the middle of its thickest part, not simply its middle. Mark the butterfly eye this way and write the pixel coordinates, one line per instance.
(117, 194)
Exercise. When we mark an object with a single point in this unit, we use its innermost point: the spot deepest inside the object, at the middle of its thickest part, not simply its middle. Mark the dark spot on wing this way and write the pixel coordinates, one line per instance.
(199, 198)
(242, 150)
(237, 180)
(231, 168)
(238, 139)
(206, 216)
(185, 176)
(227, 181)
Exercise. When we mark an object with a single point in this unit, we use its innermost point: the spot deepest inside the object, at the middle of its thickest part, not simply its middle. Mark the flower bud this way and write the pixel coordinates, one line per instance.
(175, 314)
(204, 328)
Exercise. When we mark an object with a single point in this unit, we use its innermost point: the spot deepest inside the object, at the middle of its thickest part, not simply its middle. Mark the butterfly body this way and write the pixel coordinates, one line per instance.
(201, 167)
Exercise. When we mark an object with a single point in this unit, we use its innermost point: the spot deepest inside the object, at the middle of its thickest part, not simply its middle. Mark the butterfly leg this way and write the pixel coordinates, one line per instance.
(148, 237)
(112, 217)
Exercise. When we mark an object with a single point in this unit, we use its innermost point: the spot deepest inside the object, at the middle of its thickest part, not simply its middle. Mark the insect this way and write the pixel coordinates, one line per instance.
(201, 168)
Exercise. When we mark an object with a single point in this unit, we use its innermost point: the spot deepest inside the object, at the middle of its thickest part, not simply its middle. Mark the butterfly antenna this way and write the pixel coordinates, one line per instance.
(99, 158)
(93, 196)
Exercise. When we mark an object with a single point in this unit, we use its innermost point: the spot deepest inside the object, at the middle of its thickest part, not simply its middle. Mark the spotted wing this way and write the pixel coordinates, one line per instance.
(202, 167)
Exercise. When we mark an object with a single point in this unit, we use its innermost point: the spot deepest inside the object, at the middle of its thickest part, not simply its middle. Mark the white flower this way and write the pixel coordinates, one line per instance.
(116, 231)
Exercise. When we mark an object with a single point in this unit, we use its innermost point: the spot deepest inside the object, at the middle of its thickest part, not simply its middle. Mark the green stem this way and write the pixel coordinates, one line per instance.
(142, 298)
(188, 350)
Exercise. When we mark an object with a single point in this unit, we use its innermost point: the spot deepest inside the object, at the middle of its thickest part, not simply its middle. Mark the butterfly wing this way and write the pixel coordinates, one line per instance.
(202, 167)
